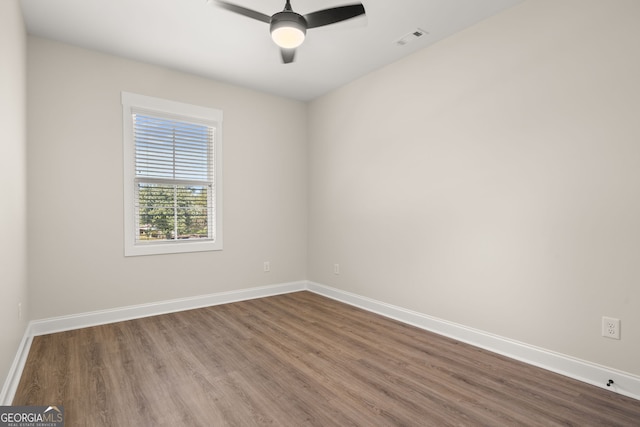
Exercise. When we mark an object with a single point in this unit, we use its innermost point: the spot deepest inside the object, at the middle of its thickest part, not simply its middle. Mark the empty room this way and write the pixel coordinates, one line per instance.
(327, 212)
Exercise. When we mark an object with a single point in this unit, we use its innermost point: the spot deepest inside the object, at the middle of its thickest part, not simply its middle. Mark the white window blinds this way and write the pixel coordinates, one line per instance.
(173, 149)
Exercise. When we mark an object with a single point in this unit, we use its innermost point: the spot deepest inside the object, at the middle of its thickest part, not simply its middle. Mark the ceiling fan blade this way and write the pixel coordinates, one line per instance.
(333, 15)
(244, 11)
(288, 55)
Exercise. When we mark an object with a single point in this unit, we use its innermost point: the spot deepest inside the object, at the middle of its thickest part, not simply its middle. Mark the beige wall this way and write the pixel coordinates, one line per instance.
(13, 175)
(493, 179)
(75, 188)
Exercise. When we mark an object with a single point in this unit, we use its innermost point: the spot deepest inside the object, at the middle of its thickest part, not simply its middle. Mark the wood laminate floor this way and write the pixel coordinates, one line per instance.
(297, 360)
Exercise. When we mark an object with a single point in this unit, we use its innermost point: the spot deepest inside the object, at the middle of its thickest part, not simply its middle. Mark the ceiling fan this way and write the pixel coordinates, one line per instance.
(288, 28)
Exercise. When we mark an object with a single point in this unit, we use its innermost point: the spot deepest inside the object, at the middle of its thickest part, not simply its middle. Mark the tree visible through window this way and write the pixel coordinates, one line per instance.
(173, 212)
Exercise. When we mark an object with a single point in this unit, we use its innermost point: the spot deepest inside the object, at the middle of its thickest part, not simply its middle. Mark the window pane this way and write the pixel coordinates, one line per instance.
(192, 212)
(170, 212)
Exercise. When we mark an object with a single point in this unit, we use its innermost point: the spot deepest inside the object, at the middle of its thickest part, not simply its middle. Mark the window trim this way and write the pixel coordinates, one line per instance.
(131, 102)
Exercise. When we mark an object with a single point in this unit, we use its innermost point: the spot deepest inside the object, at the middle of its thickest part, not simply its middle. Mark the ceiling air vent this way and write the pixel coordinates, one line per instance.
(409, 37)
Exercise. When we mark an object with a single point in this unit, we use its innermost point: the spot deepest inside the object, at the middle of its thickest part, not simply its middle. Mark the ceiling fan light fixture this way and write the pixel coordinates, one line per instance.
(288, 29)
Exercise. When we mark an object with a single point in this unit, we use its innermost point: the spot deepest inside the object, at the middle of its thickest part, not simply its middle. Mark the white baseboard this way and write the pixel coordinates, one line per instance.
(103, 317)
(624, 383)
(15, 372)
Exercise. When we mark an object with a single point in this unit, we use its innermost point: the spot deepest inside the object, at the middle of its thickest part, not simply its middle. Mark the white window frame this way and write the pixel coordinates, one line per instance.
(131, 102)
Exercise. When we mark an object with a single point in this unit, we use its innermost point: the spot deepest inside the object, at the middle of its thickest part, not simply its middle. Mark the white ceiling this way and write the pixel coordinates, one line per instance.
(196, 37)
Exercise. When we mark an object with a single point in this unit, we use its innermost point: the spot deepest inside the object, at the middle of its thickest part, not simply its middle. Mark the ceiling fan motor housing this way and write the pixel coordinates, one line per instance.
(291, 23)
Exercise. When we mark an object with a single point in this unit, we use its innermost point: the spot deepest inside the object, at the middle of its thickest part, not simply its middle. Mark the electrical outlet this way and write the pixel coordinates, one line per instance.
(266, 266)
(611, 328)
(336, 268)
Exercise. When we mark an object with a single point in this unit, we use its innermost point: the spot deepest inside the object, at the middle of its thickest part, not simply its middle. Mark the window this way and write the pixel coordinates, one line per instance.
(172, 176)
